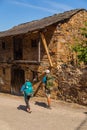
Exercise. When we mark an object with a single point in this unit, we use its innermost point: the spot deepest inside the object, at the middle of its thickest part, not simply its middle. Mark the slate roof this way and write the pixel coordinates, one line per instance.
(39, 24)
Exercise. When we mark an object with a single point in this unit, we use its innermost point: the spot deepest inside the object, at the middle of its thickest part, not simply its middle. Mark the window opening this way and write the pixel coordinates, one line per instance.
(34, 42)
(3, 45)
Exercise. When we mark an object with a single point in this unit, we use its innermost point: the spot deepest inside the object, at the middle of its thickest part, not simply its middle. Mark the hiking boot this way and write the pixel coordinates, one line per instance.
(49, 107)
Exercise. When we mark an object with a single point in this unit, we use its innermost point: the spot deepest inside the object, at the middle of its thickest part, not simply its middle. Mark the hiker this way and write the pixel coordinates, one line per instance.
(27, 90)
(48, 85)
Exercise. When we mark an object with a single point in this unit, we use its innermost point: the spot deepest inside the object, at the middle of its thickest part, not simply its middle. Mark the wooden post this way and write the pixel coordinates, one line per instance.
(39, 51)
(46, 48)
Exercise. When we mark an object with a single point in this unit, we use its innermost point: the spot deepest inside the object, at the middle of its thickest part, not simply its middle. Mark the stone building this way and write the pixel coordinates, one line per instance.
(28, 49)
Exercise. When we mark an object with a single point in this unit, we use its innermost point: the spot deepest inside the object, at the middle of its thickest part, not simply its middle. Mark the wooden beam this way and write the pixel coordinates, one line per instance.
(25, 61)
(46, 48)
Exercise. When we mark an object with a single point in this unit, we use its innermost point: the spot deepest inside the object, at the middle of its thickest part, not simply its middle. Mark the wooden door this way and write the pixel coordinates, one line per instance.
(17, 80)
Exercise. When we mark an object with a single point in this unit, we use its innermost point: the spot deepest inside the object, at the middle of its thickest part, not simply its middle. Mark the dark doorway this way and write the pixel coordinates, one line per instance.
(17, 80)
(18, 48)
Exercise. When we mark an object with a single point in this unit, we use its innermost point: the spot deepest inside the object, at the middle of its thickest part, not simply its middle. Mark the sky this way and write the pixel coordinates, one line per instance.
(15, 12)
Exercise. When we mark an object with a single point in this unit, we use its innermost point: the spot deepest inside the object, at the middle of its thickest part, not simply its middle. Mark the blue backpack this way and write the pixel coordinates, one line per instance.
(27, 88)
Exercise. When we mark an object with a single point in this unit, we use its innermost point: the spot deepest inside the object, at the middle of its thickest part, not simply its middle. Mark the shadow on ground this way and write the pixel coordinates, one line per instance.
(42, 104)
(21, 107)
(85, 113)
(83, 125)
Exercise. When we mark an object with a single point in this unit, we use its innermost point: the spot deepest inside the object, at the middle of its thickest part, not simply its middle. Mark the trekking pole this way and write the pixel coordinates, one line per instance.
(37, 89)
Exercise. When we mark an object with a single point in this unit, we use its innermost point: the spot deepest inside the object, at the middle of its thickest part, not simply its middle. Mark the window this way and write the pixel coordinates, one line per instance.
(18, 48)
(3, 45)
(35, 76)
(34, 42)
(4, 71)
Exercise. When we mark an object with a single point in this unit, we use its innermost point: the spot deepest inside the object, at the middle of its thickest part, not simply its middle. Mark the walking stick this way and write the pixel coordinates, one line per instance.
(37, 88)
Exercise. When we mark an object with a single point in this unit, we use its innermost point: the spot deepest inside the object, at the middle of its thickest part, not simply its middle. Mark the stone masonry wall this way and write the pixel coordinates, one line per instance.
(68, 34)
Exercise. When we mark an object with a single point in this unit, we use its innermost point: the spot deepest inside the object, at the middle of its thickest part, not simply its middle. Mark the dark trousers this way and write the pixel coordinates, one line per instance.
(27, 99)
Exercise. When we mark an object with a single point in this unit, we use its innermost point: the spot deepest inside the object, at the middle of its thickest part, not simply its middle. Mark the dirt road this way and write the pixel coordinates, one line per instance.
(62, 116)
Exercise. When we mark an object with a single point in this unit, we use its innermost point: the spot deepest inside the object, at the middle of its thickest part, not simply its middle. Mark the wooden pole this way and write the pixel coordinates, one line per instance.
(39, 51)
(46, 48)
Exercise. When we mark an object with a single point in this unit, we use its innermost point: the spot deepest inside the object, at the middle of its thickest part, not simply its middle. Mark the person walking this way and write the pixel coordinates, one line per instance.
(48, 85)
(27, 90)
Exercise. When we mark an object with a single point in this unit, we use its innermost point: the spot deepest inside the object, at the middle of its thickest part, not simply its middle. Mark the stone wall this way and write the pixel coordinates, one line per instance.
(72, 84)
(72, 81)
(67, 34)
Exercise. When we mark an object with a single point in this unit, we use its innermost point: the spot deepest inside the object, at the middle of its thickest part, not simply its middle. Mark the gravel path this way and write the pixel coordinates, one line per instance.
(62, 116)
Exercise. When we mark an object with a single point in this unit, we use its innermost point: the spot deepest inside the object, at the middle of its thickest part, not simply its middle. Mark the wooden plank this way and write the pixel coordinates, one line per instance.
(46, 48)
(25, 61)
